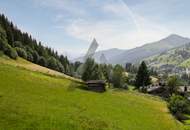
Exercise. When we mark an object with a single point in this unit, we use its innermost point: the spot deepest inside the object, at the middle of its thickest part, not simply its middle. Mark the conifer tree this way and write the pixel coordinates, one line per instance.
(91, 70)
(29, 48)
(142, 77)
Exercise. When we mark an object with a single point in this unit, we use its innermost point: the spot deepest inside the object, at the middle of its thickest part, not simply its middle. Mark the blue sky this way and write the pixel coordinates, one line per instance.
(70, 25)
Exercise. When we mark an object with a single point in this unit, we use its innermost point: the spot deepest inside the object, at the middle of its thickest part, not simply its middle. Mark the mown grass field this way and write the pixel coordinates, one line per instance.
(22, 63)
(35, 101)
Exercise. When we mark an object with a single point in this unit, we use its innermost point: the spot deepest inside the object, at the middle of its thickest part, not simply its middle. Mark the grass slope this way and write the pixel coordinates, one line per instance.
(179, 56)
(22, 63)
(186, 63)
(32, 100)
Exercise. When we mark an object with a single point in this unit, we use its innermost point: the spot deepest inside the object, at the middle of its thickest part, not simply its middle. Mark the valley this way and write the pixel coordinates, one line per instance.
(33, 100)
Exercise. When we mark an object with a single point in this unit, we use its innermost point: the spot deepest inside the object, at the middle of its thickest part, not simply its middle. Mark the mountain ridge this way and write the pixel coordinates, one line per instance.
(107, 53)
(137, 54)
(171, 61)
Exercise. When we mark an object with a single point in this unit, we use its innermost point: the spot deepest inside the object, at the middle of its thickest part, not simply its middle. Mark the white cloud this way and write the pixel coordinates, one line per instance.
(128, 30)
(124, 28)
(69, 6)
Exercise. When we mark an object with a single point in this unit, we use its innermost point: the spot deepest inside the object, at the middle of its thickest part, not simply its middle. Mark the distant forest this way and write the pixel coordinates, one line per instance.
(14, 43)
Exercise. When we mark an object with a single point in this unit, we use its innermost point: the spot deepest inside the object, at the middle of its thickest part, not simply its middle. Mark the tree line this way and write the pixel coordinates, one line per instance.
(14, 43)
(114, 75)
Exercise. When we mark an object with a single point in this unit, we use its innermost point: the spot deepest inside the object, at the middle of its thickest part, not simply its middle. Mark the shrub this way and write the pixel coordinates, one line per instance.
(172, 84)
(106, 71)
(3, 40)
(42, 61)
(118, 78)
(35, 56)
(60, 66)
(29, 57)
(18, 44)
(52, 63)
(11, 52)
(131, 79)
(178, 104)
(125, 86)
(21, 52)
(3, 45)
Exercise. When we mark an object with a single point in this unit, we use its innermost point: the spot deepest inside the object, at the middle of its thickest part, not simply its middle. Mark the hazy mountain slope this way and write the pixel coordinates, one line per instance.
(139, 53)
(107, 53)
(179, 56)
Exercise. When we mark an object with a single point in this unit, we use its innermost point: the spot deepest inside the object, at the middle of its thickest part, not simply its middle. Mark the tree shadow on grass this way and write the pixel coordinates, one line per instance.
(73, 86)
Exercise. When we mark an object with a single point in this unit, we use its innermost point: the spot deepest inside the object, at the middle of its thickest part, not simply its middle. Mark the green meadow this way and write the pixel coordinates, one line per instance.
(32, 100)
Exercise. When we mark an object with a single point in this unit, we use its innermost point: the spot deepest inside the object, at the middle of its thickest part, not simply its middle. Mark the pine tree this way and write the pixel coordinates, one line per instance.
(142, 77)
(91, 70)
(42, 61)
(52, 63)
(11, 37)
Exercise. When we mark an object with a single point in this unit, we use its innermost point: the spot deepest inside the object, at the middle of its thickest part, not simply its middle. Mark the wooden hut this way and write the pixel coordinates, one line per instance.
(96, 85)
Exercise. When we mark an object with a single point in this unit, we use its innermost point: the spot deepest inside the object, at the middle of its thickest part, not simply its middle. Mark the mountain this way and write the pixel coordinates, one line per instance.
(121, 56)
(174, 60)
(108, 54)
(147, 50)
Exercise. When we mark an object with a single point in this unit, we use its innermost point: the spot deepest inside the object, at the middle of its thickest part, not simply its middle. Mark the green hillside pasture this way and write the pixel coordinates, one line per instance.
(34, 101)
(186, 63)
(22, 63)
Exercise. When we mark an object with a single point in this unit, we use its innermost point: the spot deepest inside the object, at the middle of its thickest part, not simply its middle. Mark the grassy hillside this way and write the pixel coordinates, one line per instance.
(22, 63)
(186, 63)
(179, 56)
(33, 100)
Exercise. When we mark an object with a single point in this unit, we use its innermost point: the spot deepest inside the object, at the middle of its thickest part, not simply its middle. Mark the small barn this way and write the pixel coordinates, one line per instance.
(96, 85)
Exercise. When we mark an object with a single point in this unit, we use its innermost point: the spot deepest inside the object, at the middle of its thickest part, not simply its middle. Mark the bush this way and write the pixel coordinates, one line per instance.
(106, 71)
(30, 57)
(3, 45)
(118, 78)
(3, 40)
(42, 61)
(125, 86)
(6, 48)
(11, 52)
(172, 84)
(131, 79)
(35, 56)
(181, 116)
(52, 63)
(60, 66)
(18, 44)
(178, 104)
(21, 52)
